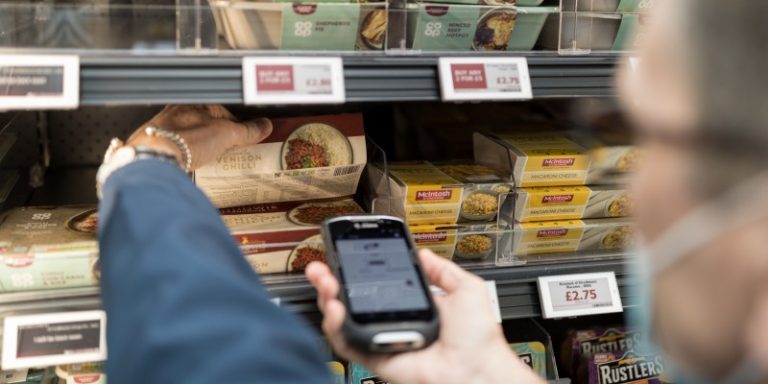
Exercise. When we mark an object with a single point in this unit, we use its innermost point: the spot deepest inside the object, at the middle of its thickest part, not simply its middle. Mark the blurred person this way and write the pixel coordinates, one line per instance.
(183, 305)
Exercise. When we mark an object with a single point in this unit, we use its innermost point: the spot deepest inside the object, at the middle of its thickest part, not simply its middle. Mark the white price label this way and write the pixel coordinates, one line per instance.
(39, 82)
(492, 294)
(464, 79)
(293, 80)
(55, 338)
(579, 295)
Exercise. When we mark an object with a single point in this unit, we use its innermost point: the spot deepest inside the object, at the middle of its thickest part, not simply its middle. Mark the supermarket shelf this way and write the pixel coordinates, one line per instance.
(516, 286)
(143, 80)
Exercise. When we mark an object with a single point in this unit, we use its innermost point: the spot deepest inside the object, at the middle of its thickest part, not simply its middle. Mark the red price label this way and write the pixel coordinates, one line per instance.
(484, 78)
(584, 294)
(292, 80)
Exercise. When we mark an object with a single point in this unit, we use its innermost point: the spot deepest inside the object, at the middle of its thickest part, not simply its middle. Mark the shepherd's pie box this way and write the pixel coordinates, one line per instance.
(305, 158)
(48, 247)
(284, 237)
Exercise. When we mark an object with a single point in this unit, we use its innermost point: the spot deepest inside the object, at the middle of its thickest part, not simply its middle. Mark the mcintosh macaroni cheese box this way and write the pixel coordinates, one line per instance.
(422, 194)
(534, 159)
(472, 243)
(571, 236)
(568, 203)
(48, 247)
(305, 158)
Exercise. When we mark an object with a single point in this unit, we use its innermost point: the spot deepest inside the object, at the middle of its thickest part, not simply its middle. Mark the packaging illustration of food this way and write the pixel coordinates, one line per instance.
(305, 158)
(581, 345)
(626, 367)
(284, 237)
(533, 354)
(567, 203)
(461, 242)
(48, 247)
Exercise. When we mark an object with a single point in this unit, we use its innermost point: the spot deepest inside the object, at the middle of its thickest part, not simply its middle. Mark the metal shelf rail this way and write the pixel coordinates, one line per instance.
(146, 80)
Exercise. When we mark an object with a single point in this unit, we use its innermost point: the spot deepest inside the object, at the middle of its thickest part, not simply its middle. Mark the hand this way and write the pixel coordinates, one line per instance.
(209, 131)
(470, 349)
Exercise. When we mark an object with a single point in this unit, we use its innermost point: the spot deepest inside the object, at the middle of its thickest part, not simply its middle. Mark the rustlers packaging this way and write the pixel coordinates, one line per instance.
(534, 159)
(48, 247)
(567, 203)
(571, 236)
(462, 242)
(305, 158)
(283, 237)
(587, 342)
(533, 354)
(626, 367)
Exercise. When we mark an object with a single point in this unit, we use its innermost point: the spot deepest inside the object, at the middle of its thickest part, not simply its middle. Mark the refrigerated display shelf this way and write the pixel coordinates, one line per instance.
(516, 286)
(146, 80)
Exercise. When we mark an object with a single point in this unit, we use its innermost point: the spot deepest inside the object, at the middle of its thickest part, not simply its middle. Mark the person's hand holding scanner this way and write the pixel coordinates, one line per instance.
(208, 130)
(471, 347)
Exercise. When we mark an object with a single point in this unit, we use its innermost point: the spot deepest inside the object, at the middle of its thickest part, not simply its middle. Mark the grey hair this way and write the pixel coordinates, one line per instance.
(728, 62)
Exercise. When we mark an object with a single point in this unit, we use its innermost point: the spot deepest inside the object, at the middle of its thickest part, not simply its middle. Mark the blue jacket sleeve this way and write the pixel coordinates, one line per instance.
(183, 305)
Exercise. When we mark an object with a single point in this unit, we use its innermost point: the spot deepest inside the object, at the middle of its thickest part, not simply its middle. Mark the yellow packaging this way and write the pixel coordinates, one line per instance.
(439, 239)
(422, 194)
(571, 236)
(462, 242)
(568, 203)
(534, 159)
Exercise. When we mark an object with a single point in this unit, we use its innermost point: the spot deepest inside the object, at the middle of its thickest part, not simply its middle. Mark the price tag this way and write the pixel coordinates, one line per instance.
(39, 82)
(293, 80)
(579, 295)
(492, 294)
(464, 79)
(55, 338)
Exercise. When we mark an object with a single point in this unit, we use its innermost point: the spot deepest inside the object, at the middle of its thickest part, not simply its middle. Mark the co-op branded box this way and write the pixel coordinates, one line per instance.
(284, 237)
(305, 158)
(48, 247)
(567, 203)
(322, 25)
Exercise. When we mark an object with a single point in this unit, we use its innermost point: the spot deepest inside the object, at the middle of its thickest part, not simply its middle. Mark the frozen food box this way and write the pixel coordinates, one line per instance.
(484, 190)
(360, 375)
(284, 237)
(422, 194)
(568, 203)
(326, 25)
(571, 236)
(533, 354)
(472, 243)
(305, 158)
(459, 27)
(534, 159)
(337, 372)
(626, 367)
(582, 344)
(611, 154)
(48, 247)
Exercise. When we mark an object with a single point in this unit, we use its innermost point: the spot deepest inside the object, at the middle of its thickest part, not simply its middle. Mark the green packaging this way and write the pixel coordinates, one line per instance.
(359, 375)
(328, 26)
(533, 354)
(635, 5)
(48, 247)
(440, 27)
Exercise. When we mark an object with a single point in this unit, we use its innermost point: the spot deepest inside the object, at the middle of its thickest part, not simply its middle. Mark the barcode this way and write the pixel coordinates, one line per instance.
(346, 170)
(598, 305)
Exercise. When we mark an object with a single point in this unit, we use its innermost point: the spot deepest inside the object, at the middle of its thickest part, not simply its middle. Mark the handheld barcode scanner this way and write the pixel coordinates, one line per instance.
(388, 301)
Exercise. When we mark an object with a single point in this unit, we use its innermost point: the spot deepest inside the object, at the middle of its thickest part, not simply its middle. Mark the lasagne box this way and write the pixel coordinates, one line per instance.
(305, 158)
(534, 159)
(284, 237)
(471, 243)
(48, 247)
(568, 203)
(447, 193)
(533, 354)
(571, 236)
(621, 367)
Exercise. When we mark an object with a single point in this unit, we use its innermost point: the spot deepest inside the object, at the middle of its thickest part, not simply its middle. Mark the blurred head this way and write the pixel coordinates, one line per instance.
(699, 100)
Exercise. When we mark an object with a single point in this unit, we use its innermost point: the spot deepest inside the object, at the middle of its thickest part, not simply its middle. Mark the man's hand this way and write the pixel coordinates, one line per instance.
(209, 131)
(471, 347)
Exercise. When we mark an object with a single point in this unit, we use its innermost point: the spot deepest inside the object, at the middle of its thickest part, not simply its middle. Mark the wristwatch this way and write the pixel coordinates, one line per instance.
(120, 155)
